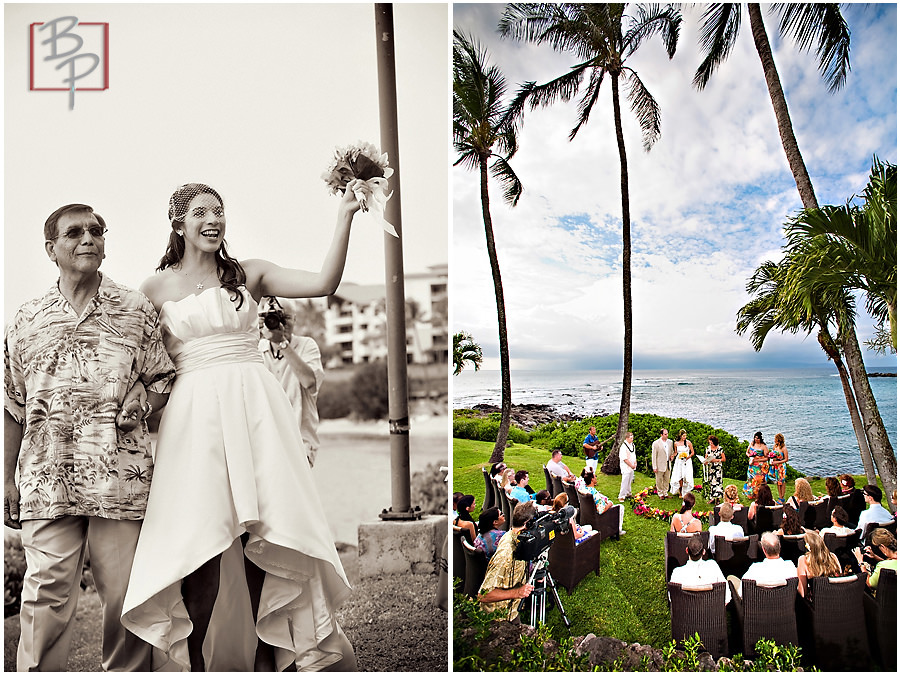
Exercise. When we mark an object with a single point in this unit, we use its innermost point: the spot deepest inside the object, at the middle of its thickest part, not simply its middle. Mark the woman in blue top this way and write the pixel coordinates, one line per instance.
(490, 528)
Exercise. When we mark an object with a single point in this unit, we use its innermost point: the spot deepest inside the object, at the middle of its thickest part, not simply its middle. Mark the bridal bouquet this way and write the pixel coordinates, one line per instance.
(363, 161)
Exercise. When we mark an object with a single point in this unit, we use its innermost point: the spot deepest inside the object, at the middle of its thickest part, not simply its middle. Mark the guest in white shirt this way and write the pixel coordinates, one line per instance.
(839, 522)
(557, 468)
(771, 570)
(627, 465)
(724, 528)
(699, 572)
(875, 513)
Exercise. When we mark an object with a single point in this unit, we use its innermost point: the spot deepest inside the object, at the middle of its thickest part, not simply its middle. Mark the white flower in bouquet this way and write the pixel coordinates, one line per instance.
(363, 161)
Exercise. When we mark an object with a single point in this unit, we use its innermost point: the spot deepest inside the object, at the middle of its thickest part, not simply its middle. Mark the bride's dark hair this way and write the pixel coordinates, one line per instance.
(229, 271)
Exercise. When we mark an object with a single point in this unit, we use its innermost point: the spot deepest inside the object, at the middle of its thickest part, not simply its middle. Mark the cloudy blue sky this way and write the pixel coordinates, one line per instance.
(708, 202)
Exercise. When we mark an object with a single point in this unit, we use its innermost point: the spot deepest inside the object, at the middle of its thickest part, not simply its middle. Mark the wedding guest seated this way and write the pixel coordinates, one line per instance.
(802, 493)
(770, 570)
(505, 582)
(601, 501)
(556, 467)
(790, 523)
(699, 572)
(818, 561)
(724, 528)
(732, 496)
(833, 487)
(518, 492)
(875, 513)
(464, 519)
(581, 533)
(684, 520)
(507, 480)
(761, 518)
(857, 500)
(490, 529)
(497, 469)
(886, 544)
(839, 521)
(543, 499)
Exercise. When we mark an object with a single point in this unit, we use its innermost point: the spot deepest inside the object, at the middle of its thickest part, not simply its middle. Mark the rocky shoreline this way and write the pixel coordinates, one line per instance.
(527, 416)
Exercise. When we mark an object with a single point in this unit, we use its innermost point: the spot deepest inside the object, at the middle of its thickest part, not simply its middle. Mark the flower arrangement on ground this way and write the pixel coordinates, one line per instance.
(641, 508)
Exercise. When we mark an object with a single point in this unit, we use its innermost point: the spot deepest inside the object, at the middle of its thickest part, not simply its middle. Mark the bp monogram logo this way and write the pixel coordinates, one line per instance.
(69, 55)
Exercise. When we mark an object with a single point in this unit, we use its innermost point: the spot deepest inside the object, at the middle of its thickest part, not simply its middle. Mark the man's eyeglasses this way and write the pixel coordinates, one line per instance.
(96, 231)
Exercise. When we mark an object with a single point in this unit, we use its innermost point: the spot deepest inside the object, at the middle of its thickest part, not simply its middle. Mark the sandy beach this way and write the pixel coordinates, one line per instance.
(355, 458)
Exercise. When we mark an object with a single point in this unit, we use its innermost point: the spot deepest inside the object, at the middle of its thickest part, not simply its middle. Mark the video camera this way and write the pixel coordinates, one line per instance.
(540, 531)
(274, 317)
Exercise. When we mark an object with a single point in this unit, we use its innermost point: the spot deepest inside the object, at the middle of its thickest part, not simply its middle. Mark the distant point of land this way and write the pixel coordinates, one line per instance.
(882, 374)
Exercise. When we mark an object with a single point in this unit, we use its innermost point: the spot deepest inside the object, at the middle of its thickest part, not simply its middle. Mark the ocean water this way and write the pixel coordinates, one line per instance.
(806, 405)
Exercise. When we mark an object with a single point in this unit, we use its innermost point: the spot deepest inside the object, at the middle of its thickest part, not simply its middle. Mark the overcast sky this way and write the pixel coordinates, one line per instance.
(249, 98)
(708, 202)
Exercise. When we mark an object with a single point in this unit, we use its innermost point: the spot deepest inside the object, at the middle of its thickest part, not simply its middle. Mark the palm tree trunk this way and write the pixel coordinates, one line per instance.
(827, 343)
(611, 464)
(879, 442)
(505, 391)
(782, 116)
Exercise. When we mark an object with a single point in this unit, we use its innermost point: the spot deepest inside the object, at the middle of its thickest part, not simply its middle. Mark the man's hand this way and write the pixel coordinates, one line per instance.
(11, 505)
(523, 591)
(134, 406)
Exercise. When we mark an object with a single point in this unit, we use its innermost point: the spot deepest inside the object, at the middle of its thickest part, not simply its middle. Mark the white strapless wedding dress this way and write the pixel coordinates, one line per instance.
(229, 459)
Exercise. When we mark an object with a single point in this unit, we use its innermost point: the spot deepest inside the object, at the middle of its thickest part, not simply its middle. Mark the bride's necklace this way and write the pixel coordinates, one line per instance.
(208, 275)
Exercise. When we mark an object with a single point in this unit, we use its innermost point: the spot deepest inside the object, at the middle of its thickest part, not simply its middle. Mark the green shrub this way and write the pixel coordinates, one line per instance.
(470, 425)
(334, 399)
(428, 490)
(13, 575)
(569, 437)
(369, 391)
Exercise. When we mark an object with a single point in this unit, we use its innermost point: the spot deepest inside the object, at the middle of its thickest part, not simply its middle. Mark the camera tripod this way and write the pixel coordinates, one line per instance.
(543, 583)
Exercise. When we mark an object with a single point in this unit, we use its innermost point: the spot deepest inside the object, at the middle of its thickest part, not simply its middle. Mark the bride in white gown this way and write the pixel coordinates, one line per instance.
(235, 567)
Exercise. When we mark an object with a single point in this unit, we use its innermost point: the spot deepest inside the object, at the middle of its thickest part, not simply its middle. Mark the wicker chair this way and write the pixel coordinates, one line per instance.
(792, 546)
(833, 610)
(459, 560)
(736, 555)
(476, 566)
(571, 562)
(842, 546)
(675, 549)
(504, 507)
(548, 482)
(499, 493)
(881, 620)
(557, 484)
(890, 526)
(739, 517)
(572, 495)
(853, 503)
(606, 523)
(488, 490)
(823, 513)
(767, 611)
(700, 610)
(767, 519)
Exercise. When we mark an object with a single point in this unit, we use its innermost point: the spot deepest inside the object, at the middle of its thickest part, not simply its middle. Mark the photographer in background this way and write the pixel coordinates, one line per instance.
(504, 584)
(296, 362)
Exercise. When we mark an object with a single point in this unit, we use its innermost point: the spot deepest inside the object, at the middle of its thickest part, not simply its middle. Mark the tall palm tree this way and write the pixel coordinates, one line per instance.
(480, 123)
(807, 23)
(602, 37)
(846, 248)
(772, 308)
(465, 350)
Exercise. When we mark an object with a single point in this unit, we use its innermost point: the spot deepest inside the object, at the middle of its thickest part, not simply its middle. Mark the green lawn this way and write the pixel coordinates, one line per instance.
(627, 600)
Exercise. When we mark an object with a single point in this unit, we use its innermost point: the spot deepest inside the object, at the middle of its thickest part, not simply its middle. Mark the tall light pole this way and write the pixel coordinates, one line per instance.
(395, 299)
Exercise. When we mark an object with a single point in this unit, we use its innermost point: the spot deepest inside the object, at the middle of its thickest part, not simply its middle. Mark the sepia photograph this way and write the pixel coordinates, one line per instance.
(226, 311)
(674, 291)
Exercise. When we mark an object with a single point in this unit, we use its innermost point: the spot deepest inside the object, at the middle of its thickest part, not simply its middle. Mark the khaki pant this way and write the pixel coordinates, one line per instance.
(662, 481)
(54, 554)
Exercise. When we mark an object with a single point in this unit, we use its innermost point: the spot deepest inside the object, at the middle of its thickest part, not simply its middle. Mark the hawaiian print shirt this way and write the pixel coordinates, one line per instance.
(65, 379)
(504, 572)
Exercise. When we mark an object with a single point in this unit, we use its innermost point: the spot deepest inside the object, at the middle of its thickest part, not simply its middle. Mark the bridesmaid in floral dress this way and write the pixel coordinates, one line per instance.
(778, 458)
(758, 454)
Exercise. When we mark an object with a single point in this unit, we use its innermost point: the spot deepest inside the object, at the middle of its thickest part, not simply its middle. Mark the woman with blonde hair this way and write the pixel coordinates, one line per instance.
(778, 458)
(732, 496)
(506, 481)
(803, 494)
(818, 561)
(885, 544)
(559, 502)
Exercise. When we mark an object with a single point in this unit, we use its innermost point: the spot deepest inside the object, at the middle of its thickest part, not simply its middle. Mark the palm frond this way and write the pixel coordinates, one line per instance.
(822, 24)
(648, 21)
(508, 180)
(586, 105)
(644, 107)
(719, 29)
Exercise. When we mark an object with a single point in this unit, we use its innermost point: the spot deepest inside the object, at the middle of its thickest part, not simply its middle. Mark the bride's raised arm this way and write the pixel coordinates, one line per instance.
(267, 278)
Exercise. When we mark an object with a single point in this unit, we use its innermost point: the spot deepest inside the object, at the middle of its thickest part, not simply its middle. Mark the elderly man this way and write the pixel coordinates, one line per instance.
(297, 363)
(724, 528)
(771, 570)
(699, 572)
(72, 478)
(504, 585)
(661, 453)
